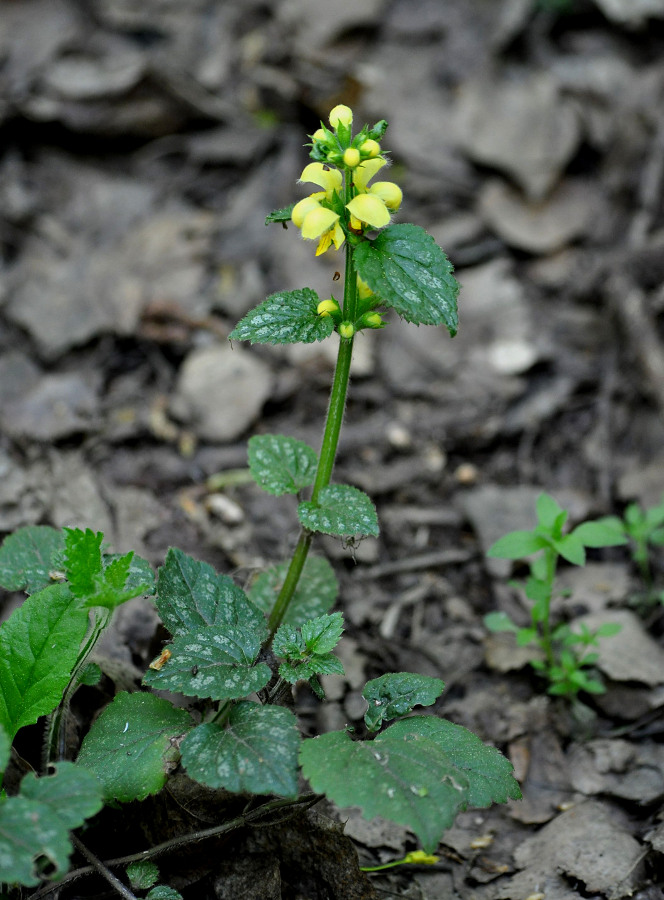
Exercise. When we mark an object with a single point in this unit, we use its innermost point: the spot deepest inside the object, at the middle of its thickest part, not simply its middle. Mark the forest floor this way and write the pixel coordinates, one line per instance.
(142, 147)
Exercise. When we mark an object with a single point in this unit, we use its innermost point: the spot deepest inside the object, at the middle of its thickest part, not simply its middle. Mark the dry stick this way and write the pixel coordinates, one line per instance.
(97, 864)
(306, 801)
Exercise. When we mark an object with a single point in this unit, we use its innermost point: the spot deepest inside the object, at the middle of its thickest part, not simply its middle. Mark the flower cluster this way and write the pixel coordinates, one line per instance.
(343, 168)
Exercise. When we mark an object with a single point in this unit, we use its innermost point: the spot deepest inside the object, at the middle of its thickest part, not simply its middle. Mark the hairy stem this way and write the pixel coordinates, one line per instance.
(328, 452)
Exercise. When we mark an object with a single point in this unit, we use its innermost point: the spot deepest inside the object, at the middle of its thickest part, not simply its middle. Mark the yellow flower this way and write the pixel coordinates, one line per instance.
(341, 115)
(327, 307)
(329, 179)
(373, 204)
(370, 148)
(314, 220)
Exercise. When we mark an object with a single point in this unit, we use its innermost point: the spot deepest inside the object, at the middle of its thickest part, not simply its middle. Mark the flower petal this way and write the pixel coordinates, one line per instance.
(364, 173)
(370, 209)
(389, 192)
(323, 176)
(302, 209)
(318, 221)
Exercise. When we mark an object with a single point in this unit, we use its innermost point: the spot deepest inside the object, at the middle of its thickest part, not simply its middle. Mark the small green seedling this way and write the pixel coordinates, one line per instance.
(565, 662)
(643, 529)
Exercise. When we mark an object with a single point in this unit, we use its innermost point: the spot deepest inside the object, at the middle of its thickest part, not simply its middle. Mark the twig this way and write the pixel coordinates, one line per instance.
(97, 864)
(415, 563)
(241, 821)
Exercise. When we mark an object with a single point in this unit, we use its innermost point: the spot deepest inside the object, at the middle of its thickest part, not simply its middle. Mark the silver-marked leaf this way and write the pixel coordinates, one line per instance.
(28, 556)
(410, 273)
(341, 510)
(396, 693)
(34, 826)
(255, 752)
(281, 465)
(316, 590)
(402, 776)
(163, 892)
(212, 662)
(133, 744)
(39, 646)
(190, 594)
(142, 874)
(73, 793)
(287, 317)
(490, 775)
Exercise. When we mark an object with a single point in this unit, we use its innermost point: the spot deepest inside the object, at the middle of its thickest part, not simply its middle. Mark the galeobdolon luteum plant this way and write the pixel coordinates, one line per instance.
(566, 659)
(239, 653)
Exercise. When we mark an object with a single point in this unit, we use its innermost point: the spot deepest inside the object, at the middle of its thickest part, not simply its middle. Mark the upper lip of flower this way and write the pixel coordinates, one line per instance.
(372, 205)
(329, 179)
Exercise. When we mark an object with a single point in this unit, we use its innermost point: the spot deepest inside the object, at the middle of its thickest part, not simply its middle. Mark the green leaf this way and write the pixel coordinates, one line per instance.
(322, 634)
(499, 621)
(341, 510)
(571, 548)
(142, 874)
(525, 636)
(73, 794)
(28, 832)
(256, 752)
(39, 646)
(280, 215)
(34, 826)
(608, 629)
(190, 594)
(102, 580)
(401, 775)
(490, 775)
(396, 693)
(163, 892)
(281, 465)
(5, 751)
(28, 556)
(318, 664)
(599, 534)
(410, 273)
(516, 545)
(132, 745)
(288, 642)
(285, 318)
(212, 662)
(316, 590)
(548, 511)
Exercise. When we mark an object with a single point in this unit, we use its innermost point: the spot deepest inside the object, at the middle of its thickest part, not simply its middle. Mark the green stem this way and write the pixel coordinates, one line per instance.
(547, 644)
(328, 452)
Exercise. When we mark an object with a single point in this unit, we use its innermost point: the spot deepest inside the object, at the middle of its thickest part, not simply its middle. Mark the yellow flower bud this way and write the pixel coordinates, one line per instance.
(351, 157)
(419, 856)
(372, 320)
(319, 135)
(346, 330)
(326, 307)
(341, 115)
(370, 148)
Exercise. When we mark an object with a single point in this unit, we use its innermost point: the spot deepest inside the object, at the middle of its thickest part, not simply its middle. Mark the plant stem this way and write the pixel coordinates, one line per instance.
(551, 557)
(328, 452)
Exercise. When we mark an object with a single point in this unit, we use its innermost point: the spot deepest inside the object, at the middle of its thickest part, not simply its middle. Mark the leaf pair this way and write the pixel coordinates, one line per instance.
(283, 465)
(403, 266)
